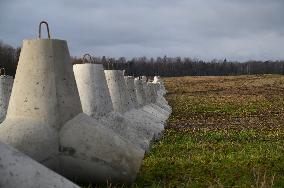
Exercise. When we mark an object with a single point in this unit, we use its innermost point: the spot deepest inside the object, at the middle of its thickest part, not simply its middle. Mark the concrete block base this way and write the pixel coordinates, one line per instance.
(124, 128)
(91, 152)
(18, 170)
(143, 123)
(22, 134)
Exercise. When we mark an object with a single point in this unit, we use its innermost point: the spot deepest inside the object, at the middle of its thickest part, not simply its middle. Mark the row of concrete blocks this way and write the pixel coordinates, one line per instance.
(85, 123)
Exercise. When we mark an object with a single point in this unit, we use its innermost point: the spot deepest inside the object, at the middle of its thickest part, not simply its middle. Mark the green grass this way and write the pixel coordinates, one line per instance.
(225, 136)
(206, 158)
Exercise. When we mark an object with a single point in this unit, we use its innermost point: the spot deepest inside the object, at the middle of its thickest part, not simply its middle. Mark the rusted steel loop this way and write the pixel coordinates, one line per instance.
(39, 29)
(85, 60)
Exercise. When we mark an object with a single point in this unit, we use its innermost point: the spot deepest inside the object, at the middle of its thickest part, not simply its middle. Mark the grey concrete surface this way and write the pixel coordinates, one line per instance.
(45, 103)
(96, 102)
(43, 98)
(6, 84)
(96, 153)
(18, 170)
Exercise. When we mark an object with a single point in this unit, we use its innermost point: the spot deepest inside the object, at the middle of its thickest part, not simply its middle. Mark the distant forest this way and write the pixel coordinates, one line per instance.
(163, 66)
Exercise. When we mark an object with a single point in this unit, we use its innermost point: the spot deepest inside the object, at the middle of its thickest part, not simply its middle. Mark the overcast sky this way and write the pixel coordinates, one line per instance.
(206, 29)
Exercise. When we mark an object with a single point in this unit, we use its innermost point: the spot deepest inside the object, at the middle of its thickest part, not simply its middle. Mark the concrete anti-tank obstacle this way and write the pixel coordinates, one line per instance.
(149, 106)
(91, 83)
(18, 170)
(6, 84)
(96, 102)
(43, 99)
(154, 103)
(130, 84)
(160, 100)
(129, 81)
(117, 88)
(152, 108)
(120, 97)
(140, 94)
(141, 98)
(159, 83)
(160, 92)
(154, 97)
(121, 100)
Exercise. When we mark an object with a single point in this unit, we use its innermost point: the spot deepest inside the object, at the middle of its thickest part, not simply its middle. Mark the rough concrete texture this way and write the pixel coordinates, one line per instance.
(97, 154)
(118, 91)
(140, 94)
(45, 88)
(151, 92)
(150, 107)
(129, 81)
(145, 123)
(120, 124)
(147, 92)
(96, 102)
(93, 89)
(141, 98)
(160, 85)
(161, 101)
(138, 115)
(6, 84)
(115, 81)
(43, 98)
(160, 91)
(153, 97)
(18, 170)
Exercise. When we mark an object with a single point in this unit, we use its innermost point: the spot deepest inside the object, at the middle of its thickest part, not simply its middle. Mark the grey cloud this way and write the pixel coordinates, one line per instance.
(237, 29)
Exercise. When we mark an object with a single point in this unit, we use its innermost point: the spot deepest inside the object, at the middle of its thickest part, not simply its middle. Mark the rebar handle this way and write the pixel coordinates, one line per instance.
(90, 58)
(39, 29)
(2, 71)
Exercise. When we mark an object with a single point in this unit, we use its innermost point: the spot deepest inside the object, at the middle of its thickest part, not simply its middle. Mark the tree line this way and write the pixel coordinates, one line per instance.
(9, 57)
(177, 66)
(163, 66)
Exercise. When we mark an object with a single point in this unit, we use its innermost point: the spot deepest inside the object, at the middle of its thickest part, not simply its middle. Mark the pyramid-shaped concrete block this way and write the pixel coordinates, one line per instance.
(160, 100)
(141, 98)
(96, 102)
(130, 84)
(120, 97)
(153, 98)
(45, 103)
(160, 92)
(92, 87)
(118, 91)
(43, 98)
(160, 85)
